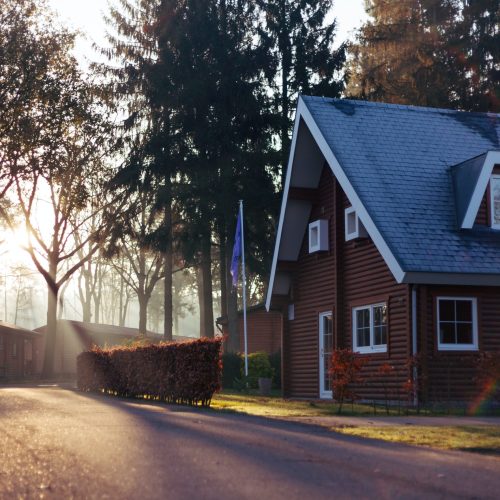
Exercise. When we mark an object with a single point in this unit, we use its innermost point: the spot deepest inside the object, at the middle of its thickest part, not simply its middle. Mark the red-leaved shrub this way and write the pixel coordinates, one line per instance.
(183, 373)
(345, 368)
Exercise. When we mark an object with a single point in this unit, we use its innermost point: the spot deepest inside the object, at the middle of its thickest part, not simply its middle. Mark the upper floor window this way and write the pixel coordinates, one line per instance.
(457, 323)
(318, 236)
(370, 328)
(495, 201)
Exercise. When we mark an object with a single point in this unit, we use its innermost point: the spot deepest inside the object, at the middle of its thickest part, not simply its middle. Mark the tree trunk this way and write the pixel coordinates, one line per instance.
(168, 300)
(87, 314)
(51, 334)
(122, 307)
(223, 271)
(98, 294)
(233, 342)
(206, 271)
(143, 314)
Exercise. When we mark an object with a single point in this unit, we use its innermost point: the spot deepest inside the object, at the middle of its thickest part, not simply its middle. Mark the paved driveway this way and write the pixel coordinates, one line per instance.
(58, 443)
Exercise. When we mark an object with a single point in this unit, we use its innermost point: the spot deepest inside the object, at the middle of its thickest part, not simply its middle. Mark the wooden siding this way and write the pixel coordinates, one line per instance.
(349, 274)
(263, 331)
(20, 365)
(451, 375)
(313, 291)
(368, 280)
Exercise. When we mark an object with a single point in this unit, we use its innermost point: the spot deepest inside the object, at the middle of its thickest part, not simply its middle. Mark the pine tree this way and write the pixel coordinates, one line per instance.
(190, 74)
(303, 59)
(475, 52)
(401, 55)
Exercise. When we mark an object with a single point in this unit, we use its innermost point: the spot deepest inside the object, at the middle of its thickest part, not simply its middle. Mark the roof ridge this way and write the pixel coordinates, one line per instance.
(409, 107)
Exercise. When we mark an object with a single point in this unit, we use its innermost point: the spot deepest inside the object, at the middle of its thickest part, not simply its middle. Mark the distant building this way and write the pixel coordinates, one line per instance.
(73, 337)
(18, 352)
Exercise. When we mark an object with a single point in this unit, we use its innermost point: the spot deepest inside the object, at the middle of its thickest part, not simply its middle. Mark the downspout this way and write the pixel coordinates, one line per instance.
(414, 338)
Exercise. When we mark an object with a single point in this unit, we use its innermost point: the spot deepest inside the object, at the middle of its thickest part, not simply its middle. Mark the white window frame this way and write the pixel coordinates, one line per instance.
(371, 348)
(355, 234)
(291, 312)
(494, 177)
(323, 393)
(459, 347)
(321, 228)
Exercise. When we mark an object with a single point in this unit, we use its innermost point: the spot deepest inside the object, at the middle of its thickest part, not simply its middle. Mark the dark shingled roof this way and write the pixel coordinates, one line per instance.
(399, 161)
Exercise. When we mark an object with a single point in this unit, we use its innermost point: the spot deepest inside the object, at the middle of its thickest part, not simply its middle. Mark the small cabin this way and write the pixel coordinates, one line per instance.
(19, 352)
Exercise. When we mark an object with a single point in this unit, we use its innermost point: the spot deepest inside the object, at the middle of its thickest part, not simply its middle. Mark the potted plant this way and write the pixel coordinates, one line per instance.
(260, 372)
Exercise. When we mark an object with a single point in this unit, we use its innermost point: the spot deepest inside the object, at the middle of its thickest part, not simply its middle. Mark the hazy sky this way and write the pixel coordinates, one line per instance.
(87, 17)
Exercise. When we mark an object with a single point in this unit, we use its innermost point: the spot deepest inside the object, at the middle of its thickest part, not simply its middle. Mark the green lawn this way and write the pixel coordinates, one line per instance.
(479, 438)
(278, 407)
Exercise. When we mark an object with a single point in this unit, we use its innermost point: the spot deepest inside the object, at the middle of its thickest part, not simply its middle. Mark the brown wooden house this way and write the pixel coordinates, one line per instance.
(263, 329)
(389, 244)
(18, 352)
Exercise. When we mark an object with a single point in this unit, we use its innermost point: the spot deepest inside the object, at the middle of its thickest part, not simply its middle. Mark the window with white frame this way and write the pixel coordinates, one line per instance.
(353, 226)
(457, 323)
(495, 201)
(370, 328)
(318, 236)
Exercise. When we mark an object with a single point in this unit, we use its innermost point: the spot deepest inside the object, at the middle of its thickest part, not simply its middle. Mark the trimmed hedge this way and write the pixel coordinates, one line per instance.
(182, 373)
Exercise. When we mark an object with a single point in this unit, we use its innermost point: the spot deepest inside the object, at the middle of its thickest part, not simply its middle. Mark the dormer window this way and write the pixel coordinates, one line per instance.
(495, 201)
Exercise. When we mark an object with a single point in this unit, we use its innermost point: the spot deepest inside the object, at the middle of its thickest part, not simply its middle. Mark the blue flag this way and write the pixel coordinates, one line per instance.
(235, 261)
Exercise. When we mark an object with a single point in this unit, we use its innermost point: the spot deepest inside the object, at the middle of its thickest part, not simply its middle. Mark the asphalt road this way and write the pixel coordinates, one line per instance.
(58, 443)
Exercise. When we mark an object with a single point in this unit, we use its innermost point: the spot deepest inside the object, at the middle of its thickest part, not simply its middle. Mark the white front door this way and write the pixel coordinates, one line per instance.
(325, 353)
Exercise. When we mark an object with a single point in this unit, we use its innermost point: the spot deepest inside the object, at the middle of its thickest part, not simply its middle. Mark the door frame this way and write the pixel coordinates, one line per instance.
(323, 394)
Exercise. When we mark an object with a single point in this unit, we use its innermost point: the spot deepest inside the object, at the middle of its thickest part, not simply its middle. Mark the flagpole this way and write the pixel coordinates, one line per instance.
(244, 288)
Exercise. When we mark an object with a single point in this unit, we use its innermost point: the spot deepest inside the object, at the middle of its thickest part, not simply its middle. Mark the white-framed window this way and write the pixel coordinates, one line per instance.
(353, 226)
(318, 236)
(369, 328)
(291, 312)
(495, 201)
(457, 324)
(325, 353)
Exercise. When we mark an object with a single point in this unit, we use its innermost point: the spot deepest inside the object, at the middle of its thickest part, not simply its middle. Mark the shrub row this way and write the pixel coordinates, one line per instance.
(183, 373)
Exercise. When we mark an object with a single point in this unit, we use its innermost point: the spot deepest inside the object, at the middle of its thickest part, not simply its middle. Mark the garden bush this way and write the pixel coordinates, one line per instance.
(258, 366)
(345, 372)
(183, 373)
(232, 366)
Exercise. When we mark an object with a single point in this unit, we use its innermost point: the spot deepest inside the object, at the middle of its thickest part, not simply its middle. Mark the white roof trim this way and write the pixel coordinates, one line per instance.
(283, 203)
(492, 159)
(383, 248)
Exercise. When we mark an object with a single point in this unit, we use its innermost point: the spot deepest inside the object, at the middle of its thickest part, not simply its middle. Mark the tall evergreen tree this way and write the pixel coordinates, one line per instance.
(401, 55)
(190, 73)
(475, 54)
(143, 89)
(303, 60)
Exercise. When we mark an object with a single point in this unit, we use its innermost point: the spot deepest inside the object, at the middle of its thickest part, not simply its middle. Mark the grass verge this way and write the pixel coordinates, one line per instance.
(480, 439)
(279, 407)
